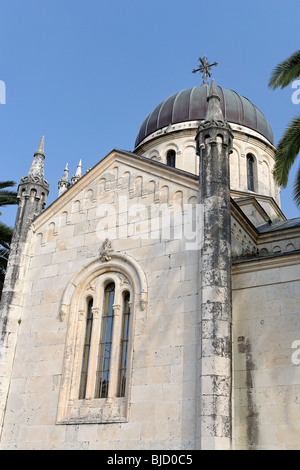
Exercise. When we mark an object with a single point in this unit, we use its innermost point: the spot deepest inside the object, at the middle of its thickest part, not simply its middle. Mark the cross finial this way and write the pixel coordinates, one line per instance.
(204, 68)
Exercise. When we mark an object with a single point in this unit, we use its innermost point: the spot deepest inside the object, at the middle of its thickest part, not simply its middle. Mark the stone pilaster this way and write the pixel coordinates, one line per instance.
(214, 143)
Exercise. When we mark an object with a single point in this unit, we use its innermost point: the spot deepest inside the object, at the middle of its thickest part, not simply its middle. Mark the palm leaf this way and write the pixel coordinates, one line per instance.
(296, 189)
(5, 235)
(287, 151)
(285, 72)
(7, 184)
(8, 198)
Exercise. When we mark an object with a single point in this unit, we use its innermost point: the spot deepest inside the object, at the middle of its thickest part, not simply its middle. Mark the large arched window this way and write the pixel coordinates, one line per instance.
(100, 302)
(171, 158)
(104, 375)
(250, 172)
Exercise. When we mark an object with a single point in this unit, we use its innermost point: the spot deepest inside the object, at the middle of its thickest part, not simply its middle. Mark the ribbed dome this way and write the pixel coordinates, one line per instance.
(190, 105)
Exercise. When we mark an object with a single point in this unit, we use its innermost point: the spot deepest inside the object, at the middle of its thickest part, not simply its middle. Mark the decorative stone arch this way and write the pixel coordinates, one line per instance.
(64, 219)
(265, 177)
(186, 144)
(169, 147)
(51, 231)
(138, 184)
(235, 164)
(126, 179)
(89, 193)
(190, 159)
(154, 155)
(251, 149)
(108, 262)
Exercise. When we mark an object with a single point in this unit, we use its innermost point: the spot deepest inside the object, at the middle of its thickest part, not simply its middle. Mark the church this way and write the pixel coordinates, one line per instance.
(154, 305)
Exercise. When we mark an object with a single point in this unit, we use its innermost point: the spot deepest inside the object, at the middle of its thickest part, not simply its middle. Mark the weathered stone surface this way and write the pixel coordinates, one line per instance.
(214, 143)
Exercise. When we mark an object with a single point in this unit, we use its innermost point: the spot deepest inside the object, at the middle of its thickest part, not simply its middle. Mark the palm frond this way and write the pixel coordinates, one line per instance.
(8, 198)
(287, 151)
(296, 189)
(285, 72)
(7, 184)
(6, 233)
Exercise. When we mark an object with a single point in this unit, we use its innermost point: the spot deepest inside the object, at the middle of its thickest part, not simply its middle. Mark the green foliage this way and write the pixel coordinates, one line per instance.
(286, 72)
(7, 197)
(287, 151)
(297, 188)
(289, 145)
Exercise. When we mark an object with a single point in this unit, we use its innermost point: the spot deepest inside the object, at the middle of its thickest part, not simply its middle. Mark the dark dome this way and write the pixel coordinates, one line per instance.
(190, 105)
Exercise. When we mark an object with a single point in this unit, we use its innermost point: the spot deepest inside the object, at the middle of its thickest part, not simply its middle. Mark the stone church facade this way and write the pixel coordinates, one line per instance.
(155, 303)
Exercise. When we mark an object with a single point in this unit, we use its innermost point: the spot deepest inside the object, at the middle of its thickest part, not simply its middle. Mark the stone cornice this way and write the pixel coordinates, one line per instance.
(280, 234)
(242, 266)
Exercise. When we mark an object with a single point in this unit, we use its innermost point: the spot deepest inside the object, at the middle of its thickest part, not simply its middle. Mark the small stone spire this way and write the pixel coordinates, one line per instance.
(64, 182)
(37, 167)
(41, 146)
(77, 175)
(33, 191)
(214, 111)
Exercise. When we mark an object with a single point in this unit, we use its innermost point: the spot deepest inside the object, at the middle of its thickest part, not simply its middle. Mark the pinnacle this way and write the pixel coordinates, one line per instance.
(77, 175)
(66, 172)
(213, 89)
(78, 171)
(214, 111)
(41, 146)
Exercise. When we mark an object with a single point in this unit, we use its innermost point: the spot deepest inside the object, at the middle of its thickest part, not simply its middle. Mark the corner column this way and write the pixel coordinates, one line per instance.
(214, 144)
(32, 195)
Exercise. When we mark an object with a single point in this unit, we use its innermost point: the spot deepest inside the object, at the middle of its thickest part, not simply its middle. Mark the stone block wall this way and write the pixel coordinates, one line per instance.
(266, 337)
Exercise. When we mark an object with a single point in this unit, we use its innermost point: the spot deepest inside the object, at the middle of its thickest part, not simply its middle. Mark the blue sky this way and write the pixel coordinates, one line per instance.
(85, 73)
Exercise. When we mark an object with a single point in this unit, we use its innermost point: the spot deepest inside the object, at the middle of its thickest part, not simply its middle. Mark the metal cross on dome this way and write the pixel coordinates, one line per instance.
(204, 68)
